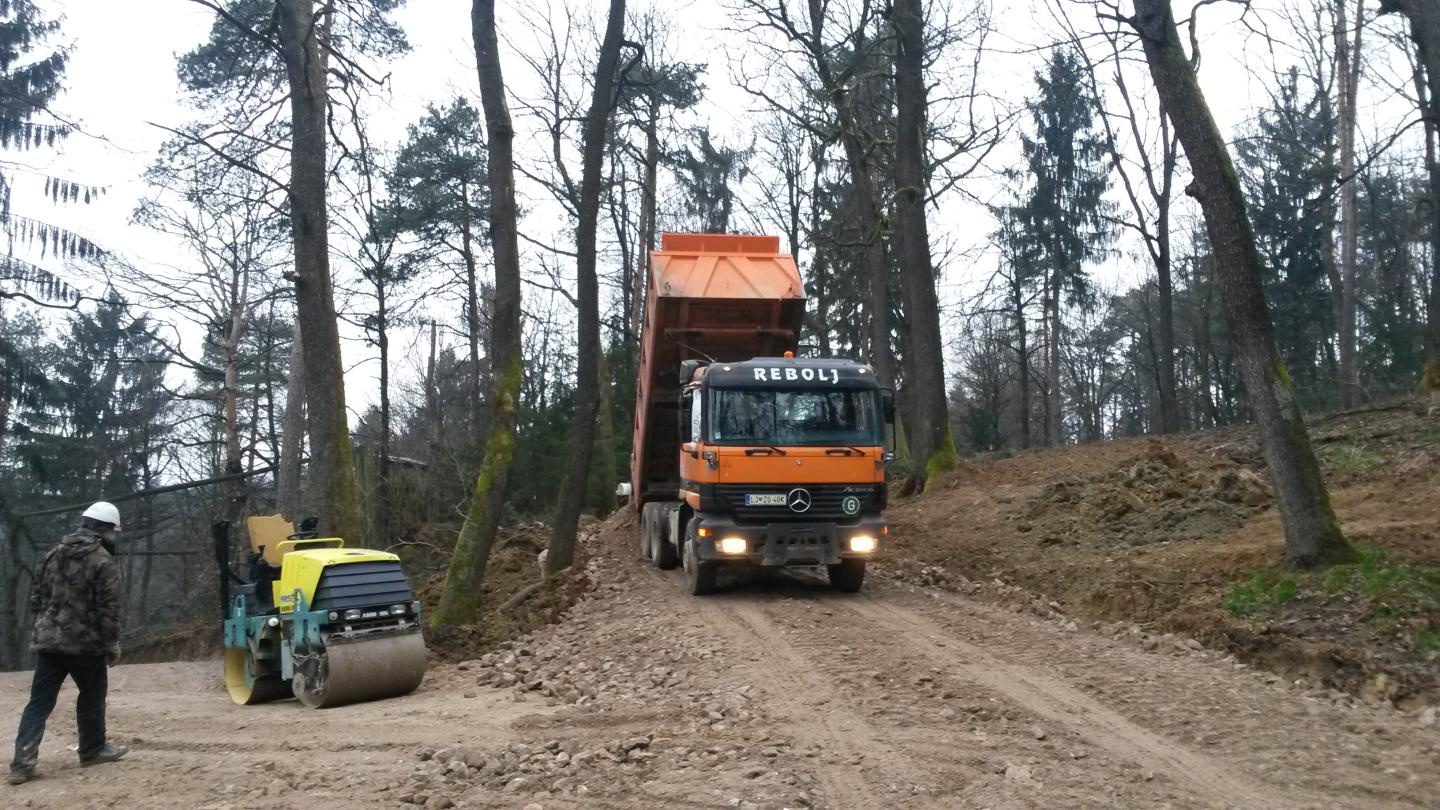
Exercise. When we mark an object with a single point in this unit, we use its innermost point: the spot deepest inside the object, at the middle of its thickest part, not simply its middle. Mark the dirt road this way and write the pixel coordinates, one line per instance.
(774, 693)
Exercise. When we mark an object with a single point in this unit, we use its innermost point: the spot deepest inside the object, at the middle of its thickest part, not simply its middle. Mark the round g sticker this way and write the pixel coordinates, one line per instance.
(851, 505)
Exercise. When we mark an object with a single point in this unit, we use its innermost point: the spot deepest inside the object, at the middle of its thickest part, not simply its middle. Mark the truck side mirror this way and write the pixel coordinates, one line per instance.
(887, 403)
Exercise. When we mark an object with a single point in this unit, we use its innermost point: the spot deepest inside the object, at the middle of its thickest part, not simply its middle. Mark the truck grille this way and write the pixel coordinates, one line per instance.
(826, 501)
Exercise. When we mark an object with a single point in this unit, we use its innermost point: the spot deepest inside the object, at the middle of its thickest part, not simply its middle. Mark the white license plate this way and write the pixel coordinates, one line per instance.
(766, 499)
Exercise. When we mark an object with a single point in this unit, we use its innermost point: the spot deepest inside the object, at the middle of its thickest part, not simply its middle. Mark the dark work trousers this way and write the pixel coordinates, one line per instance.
(51, 669)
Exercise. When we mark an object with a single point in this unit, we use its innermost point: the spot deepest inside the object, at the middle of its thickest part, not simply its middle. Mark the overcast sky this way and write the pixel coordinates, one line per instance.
(122, 78)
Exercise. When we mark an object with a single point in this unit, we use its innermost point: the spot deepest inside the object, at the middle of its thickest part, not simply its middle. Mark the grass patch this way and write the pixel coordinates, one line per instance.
(1352, 459)
(1376, 577)
(1427, 642)
(1385, 594)
(1265, 587)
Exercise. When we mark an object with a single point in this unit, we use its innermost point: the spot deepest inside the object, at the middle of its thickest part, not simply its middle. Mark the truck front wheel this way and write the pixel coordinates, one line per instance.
(847, 576)
(699, 575)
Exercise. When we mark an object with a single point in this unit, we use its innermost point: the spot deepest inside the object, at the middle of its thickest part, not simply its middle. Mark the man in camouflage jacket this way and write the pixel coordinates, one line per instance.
(78, 605)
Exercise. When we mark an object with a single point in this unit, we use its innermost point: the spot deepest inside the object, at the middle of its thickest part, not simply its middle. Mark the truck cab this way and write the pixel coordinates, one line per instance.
(783, 464)
(746, 458)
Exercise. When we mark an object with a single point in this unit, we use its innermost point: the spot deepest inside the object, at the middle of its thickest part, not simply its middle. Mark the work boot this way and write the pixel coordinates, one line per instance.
(110, 753)
(20, 774)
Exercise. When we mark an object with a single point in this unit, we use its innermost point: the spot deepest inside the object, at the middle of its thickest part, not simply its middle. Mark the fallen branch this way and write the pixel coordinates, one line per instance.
(521, 595)
(1154, 582)
(442, 552)
(1408, 404)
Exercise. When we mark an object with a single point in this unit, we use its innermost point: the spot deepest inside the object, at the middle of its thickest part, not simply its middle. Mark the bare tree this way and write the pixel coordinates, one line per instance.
(288, 483)
(1347, 72)
(460, 599)
(332, 476)
(931, 444)
(1424, 17)
(237, 236)
(582, 434)
(1312, 533)
(1150, 198)
(820, 37)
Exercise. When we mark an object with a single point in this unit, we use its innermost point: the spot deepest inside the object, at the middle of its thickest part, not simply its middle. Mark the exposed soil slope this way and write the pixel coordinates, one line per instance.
(1181, 535)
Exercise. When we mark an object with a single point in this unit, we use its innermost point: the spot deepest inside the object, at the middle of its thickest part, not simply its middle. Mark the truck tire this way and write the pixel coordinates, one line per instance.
(699, 575)
(648, 524)
(847, 576)
(665, 556)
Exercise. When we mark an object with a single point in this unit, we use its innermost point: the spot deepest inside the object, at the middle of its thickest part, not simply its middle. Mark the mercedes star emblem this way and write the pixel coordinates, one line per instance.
(798, 500)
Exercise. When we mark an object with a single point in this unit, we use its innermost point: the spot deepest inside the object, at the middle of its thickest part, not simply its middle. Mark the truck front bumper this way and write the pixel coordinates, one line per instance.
(788, 543)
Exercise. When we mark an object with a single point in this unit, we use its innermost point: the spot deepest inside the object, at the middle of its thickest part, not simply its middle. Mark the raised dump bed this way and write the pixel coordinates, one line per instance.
(711, 297)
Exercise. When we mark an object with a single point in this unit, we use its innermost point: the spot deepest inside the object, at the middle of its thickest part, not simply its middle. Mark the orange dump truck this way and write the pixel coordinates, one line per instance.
(743, 453)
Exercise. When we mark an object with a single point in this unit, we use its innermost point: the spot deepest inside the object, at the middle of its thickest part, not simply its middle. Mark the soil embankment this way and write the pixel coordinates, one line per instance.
(1180, 536)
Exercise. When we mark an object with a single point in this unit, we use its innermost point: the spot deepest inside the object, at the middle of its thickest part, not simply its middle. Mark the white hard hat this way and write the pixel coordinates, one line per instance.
(105, 512)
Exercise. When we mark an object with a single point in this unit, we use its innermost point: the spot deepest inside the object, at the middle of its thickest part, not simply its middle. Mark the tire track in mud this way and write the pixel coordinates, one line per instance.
(1064, 705)
(809, 701)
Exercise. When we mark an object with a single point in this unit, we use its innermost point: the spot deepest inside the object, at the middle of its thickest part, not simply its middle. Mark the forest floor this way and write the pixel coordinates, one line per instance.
(1094, 626)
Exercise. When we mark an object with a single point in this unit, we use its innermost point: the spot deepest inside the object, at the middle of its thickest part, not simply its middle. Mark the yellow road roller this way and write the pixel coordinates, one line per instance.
(327, 624)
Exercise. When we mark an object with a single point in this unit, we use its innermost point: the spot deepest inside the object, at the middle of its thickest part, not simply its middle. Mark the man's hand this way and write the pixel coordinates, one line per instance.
(112, 656)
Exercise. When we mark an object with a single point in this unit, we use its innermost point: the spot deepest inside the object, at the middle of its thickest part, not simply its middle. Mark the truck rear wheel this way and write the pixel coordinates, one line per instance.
(847, 576)
(699, 575)
(649, 523)
(666, 558)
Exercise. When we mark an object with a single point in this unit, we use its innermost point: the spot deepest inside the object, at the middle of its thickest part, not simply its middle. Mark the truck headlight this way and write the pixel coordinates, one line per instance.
(352, 614)
(396, 610)
(334, 617)
(732, 545)
(862, 543)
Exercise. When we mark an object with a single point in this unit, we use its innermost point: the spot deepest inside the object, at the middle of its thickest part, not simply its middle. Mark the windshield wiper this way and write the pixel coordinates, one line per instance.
(847, 450)
(772, 449)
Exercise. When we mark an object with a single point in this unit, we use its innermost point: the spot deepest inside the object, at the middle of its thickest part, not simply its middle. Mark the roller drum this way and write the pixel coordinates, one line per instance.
(244, 686)
(364, 669)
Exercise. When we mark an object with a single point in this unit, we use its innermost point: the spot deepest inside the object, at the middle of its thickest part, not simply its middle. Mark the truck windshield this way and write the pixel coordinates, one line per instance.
(779, 416)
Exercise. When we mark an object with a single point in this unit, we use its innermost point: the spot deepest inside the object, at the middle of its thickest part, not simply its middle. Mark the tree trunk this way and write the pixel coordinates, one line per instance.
(863, 198)
(332, 476)
(606, 444)
(647, 217)
(472, 329)
(1022, 354)
(292, 450)
(1054, 408)
(1312, 534)
(1424, 16)
(380, 526)
(587, 331)
(1347, 71)
(147, 508)
(433, 413)
(1431, 377)
(619, 208)
(1170, 420)
(930, 442)
(234, 491)
(460, 598)
(272, 433)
